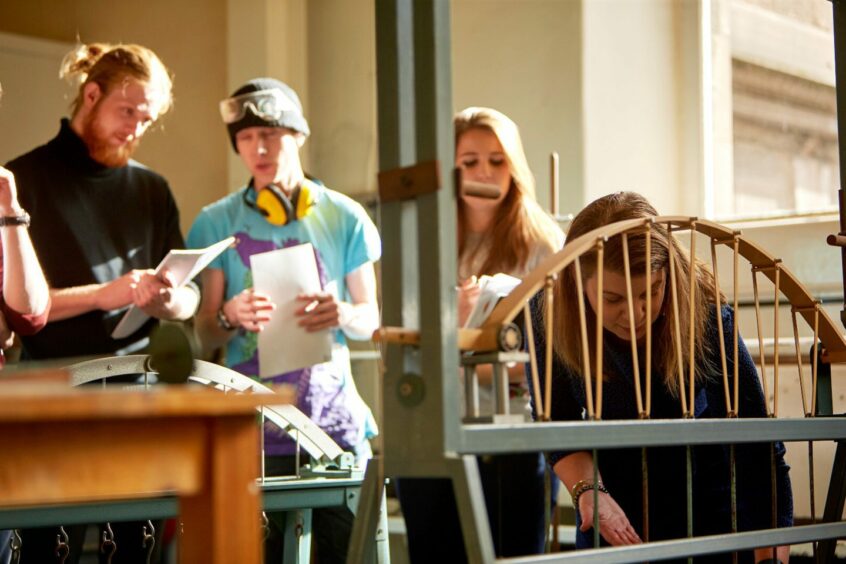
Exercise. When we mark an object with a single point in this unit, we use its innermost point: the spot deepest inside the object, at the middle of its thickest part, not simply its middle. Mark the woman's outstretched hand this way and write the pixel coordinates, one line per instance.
(614, 526)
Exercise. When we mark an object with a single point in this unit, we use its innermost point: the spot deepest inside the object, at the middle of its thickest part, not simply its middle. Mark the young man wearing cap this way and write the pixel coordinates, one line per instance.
(280, 207)
(100, 223)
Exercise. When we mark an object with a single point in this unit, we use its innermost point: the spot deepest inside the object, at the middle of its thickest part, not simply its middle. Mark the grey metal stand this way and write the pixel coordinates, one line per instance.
(421, 399)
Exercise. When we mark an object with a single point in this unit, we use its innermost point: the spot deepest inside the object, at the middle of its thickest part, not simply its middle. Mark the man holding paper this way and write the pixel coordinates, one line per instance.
(100, 221)
(299, 281)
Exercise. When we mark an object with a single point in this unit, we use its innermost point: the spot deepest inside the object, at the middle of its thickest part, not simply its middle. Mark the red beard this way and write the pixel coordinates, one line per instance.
(98, 145)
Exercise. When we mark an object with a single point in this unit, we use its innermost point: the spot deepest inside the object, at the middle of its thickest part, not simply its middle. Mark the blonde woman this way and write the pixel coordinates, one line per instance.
(510, 234)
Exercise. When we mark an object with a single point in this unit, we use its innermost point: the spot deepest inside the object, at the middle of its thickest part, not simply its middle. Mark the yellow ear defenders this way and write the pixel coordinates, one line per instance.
(279, 209)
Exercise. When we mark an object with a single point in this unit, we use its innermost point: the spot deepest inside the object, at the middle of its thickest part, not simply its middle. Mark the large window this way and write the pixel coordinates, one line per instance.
(783, 127)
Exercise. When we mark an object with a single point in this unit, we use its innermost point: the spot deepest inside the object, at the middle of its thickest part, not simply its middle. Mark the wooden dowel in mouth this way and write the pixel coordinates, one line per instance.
(480, 189)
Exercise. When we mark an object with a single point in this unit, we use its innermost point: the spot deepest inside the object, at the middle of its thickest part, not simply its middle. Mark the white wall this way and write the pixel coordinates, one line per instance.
(633, 102)
(264, 38)
(188, 146)
(342, 94)
(524, 58)
(33, 99)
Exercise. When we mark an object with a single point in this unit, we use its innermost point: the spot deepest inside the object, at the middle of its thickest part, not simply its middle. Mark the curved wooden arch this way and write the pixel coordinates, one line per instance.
(798, 296)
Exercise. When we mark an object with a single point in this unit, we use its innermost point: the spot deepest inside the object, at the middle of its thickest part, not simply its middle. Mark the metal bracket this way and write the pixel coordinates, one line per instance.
(408, 182)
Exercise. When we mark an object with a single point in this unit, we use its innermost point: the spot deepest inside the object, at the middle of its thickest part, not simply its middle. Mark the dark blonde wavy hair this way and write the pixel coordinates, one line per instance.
(622, 206)
(109, 66)
(520, 223)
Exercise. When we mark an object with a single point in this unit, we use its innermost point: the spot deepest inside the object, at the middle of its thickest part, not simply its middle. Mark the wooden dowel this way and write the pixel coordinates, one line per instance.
(777, 283)
(799, 365)
(397, 335)
(736, 331)
(815, 361)
(763, 364)
(632, 329)
(533, 361)
(600, 276)
(721, 333)
(548, 368)
(583, 336)
(692, 317)
(676, 327)
(648, 365)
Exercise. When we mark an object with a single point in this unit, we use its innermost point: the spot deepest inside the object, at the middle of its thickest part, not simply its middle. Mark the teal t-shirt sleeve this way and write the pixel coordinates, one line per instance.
(364, 244)
(203, 233)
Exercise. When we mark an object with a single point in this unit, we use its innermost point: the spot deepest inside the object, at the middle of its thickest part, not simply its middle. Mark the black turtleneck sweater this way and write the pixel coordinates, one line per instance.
(91, 224)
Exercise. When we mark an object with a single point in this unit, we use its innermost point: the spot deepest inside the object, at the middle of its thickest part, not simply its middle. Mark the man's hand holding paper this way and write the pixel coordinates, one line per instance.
(152, 293)
(118, 293)
(297, 335)
(250, 310)
(319, 311)
(158, 295)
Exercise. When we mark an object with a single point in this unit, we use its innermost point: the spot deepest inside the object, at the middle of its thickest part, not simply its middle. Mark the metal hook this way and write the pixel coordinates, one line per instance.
(62, 546)
(15, 543)
(108, 546)
(148, 539)
(265, 526)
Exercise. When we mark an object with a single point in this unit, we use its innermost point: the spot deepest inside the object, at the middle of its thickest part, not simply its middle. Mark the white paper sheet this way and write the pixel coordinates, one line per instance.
(491, 290)
(184, 265)
(283, 345)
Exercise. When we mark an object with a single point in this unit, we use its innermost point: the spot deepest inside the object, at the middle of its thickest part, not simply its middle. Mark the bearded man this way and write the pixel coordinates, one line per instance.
(100, 222)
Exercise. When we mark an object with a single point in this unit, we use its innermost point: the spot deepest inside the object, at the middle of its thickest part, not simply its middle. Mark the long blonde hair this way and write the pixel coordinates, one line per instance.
(110, 65)
(619, 207)
(520, 223)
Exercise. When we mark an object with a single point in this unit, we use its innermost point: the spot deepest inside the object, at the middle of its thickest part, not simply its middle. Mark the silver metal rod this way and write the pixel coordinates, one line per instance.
(665, 550)
(471, 391)
(533, 437)
(500, 383)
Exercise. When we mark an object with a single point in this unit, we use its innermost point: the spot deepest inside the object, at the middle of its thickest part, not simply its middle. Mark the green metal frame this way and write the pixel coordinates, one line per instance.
(422, 432)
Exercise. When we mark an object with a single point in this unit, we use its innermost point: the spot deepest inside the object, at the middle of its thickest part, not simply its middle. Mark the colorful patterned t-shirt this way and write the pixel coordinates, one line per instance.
(344, 239)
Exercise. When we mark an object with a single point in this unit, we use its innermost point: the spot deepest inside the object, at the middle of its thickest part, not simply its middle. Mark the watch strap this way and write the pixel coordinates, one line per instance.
(14, 220)
(222, 322)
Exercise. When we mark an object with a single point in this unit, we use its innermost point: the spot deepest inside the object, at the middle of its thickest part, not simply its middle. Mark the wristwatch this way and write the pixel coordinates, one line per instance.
(222, 322)
(22, 219)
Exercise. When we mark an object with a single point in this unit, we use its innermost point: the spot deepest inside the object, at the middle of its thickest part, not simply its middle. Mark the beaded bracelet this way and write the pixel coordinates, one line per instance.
(584, 485)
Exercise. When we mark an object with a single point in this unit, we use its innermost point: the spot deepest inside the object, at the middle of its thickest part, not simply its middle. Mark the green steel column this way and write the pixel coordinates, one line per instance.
(839, 21)
(436, 216)
(419, 260)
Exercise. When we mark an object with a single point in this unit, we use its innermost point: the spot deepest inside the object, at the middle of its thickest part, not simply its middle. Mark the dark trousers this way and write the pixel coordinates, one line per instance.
(5, 546)
(39, 545)
(513, 486)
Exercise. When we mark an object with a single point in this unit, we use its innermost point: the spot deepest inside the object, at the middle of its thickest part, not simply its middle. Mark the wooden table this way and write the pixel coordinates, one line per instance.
(63, 445)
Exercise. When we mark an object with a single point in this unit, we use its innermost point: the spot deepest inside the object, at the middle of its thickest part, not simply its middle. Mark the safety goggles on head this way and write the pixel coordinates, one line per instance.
(266, 104)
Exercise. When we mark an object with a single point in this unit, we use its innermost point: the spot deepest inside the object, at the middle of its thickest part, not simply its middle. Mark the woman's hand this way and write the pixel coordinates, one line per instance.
(249, 309)
(468, 295)
(614, 526)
